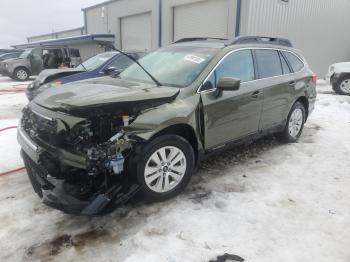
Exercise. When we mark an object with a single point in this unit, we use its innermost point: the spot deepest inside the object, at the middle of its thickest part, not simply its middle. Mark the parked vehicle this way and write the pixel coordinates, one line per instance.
(33, 60)
(9, 56)
(97, 66)
(89, 146)
(339, 77)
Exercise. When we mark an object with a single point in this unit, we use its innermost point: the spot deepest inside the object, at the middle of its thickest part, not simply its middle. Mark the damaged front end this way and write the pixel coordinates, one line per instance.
(76, 164)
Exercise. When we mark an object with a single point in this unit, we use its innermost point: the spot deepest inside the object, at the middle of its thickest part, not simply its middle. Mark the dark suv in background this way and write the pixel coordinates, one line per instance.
(91, 145)
(33, 60)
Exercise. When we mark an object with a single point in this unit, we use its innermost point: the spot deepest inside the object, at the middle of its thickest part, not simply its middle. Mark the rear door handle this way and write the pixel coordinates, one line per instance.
(256, 94)
(293, 83)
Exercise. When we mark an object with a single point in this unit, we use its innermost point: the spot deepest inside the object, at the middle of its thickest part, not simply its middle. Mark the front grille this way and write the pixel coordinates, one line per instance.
(39, 127)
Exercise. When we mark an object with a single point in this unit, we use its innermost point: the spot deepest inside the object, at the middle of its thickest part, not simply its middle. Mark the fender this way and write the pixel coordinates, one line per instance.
(153, 121)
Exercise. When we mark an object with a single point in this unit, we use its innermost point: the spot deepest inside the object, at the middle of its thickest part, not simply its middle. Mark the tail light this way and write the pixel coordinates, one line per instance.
(314, 78)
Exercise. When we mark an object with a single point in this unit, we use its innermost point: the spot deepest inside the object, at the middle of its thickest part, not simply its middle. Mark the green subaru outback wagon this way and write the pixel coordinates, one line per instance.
(89, 146)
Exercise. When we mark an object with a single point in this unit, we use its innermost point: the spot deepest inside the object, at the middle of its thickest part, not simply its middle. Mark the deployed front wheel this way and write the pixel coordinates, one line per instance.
(295, 124)
(165, 167)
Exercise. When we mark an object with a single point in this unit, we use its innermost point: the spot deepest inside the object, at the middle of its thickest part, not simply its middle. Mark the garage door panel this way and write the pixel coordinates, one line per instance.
(136, 32)
(201, 19)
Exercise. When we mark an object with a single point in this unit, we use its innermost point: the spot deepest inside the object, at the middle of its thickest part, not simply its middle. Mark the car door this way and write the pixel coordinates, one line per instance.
(234, 114)
(36, 61)
(275, 84)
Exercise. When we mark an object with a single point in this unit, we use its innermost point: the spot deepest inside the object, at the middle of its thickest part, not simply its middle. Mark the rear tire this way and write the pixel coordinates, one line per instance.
(21, 74)
(165, 168)
(342, 86)
(295, 124)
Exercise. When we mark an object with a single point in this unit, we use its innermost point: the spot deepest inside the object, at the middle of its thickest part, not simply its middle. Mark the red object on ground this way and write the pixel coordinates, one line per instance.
(7, 128)
(14, 170)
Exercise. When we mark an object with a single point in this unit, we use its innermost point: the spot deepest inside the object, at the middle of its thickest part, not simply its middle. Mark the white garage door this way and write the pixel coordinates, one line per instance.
(201, 19)
(136, 32)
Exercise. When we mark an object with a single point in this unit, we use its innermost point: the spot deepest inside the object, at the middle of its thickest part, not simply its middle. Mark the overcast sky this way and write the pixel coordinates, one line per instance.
(22, 18)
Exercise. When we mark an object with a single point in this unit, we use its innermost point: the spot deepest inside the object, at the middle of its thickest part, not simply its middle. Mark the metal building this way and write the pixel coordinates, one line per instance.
(88, 45)
(315, 26)
(57, 35)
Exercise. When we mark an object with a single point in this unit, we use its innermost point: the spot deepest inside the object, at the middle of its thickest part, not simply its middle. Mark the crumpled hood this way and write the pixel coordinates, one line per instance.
(104, 93)
(49, 75)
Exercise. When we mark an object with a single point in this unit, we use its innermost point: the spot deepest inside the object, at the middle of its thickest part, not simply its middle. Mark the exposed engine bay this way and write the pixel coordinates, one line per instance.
(78, 141)
(98, 148)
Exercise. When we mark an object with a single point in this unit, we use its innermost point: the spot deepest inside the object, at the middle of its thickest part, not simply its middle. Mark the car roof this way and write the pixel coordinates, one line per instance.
(9, 53)
(237, 43)
(226, 44)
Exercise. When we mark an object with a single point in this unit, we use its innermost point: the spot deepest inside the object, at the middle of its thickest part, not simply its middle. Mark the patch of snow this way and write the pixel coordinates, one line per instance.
(264, 202)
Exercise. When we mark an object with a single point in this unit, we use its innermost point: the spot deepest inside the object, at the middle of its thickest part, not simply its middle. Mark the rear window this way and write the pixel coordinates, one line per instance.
(269, 63)
(294, 61)
(285, 67)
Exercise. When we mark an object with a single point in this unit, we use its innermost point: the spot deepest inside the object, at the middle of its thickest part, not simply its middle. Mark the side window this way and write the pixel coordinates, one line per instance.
(238, 65)
(269, 63)
(285, 66)
(210, 84)
(121, 62)
(294, 61)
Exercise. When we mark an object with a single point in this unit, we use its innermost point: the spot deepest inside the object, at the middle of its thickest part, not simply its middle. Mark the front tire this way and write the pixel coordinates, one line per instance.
(342, 86)
(295, 124)
(21, 74)
(166, 167)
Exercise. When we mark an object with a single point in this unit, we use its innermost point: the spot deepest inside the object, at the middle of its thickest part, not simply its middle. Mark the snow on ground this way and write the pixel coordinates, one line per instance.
(264, 202)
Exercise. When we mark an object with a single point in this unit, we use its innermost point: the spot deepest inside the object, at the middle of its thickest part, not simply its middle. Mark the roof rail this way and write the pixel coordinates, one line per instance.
(262, 40)
(192, 39)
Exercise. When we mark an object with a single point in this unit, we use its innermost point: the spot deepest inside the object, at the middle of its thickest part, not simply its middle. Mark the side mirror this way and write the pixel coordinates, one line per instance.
(110, 70)
(228, 84)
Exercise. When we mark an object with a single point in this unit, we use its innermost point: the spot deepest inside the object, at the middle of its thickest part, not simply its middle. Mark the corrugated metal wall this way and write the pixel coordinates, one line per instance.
(318, 27)
(107, 17)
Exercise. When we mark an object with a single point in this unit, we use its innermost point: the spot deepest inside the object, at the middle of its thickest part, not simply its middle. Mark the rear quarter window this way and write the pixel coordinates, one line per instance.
(269, 63)
(294, 61)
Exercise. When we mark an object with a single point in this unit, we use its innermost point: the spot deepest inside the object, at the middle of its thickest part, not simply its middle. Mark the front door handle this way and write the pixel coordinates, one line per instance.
(256, 94)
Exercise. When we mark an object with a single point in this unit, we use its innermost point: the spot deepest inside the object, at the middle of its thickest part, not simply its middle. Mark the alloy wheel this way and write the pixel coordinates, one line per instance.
(345, 86)
(296, 122)
(22, 74)
(165, 169)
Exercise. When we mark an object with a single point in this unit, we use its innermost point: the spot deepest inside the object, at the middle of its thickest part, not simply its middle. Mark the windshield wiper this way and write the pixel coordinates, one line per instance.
(137, 62)
(84, 67)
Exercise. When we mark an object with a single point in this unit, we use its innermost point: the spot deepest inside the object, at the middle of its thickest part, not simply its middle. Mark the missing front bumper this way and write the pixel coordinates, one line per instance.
(53, 194)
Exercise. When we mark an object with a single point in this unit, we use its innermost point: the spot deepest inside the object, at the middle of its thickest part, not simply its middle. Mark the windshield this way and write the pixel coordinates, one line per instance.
(26, 53)
(96, 61)
(176, 66)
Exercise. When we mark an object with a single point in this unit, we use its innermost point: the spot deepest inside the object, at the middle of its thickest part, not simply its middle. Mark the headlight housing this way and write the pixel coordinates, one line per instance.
(30, 86)
(51, 84)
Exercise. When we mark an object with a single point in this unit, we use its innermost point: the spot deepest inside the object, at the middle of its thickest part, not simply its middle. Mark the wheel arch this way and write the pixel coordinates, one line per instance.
(305, 102)
(183, 130)
(22, 67)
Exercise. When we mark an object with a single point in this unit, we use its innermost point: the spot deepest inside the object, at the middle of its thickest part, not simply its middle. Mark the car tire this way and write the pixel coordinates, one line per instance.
(21, 74)
(295, 124)
(165, 168)
(342, 86)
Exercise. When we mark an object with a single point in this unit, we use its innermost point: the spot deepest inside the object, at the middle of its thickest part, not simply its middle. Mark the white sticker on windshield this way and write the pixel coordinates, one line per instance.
(194, 59)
